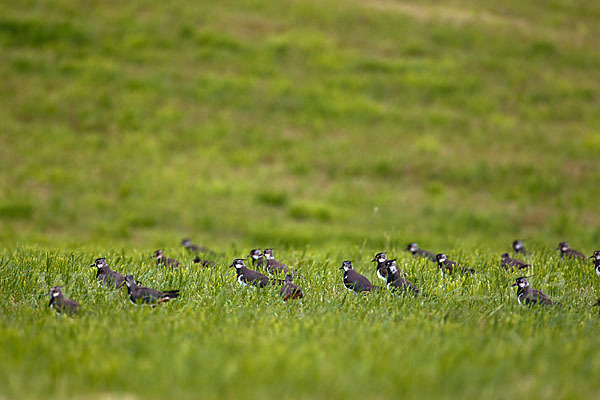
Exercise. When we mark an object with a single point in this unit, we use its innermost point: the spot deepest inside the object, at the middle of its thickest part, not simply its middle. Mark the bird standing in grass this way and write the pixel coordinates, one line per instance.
(528, 296)
(382, 271)
(567, 251)
(274, 266)
(518, 247)
(396, 279)
(246, 276)
(414, 249)
(450, 267)
(145, 295)
(106, 275)
(163, 261)
(353, 281)
(257, 258)
(60, 303)
(289, 291)
(508, 262)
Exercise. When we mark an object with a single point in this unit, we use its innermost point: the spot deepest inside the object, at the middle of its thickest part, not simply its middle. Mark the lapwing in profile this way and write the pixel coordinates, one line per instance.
(246, 276)
(382, 270)
(106, 275)
(274, 266)
(257, 258)
(145, 295)
(290, 291)
(512, 263)
(518, 247)
(567, 251)
(163, 261)
(353, 281)
(528, 296)
(204, 262)
(60, 303)
(596, 255)
(450, 267)
(417, 252)
(396, 279)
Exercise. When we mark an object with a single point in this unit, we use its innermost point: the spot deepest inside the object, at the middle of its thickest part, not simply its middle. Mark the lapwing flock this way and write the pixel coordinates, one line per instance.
(387, 270)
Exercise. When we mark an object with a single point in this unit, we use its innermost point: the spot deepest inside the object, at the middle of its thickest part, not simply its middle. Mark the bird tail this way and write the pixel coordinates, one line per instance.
(170, 294)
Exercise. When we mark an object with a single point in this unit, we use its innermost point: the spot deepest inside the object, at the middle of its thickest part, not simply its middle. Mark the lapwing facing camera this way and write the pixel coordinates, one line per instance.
(528, 296)
(246, 276)
(60, 303)
(145, 295)
(450, 267)
(163, 261)
(512, 263)
(274, 266)
(353, 281)
(396, 279)
(596, 255)
(290, 291)
(567, 251)
(106, 275)
(382, 270)
(518, 247)
(257, 258)
(417, 252)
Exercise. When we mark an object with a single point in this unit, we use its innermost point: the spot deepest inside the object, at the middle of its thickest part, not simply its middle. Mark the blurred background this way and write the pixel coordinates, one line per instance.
(299, 123)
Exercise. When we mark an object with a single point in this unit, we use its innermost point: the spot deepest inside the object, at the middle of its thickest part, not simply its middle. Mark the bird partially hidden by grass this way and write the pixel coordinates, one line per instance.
(60, 303)
(145, 295)
(290, 291)
(529, 296)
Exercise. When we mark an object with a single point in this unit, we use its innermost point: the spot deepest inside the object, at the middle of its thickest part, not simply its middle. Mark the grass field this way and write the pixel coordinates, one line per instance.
(329, 130)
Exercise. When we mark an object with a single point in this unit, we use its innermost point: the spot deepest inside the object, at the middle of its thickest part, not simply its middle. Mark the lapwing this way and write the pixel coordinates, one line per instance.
(382, 271)
(417, 252)
(597, 266)
(145, 295)
(450, 267)
(106, 275)
(274, 266)
(397, 279)
(289, 291)
(353, 281)
(508, 262)
(246, 276)
(204, 262)
(596, 255)
(518, 247)
(163, 261)
(528, 296)
(566, 250)
(60, 303)
(257, 258)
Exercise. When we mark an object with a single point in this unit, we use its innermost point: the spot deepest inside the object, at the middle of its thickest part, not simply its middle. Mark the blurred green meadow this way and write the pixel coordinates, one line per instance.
(328, 130)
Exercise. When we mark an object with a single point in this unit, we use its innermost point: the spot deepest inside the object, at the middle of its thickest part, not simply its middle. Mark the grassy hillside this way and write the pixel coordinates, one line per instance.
(304, 123)
(329, 130)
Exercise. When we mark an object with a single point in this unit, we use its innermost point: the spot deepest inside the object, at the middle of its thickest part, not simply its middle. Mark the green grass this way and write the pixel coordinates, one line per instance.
(329, 130)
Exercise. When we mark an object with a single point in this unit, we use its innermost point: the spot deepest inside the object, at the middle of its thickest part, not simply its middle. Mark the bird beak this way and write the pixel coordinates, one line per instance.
(341, 267)
(93, 265)
(231, 265)
(592, 256)
(373, 260)
(514, 284)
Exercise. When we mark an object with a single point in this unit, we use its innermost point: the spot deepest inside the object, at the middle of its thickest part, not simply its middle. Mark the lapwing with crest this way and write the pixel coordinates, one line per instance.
(60, 303)
(145, 295)
(274, 266)
(380, 259)
(248, 277)
(353, 281)
(164, 261)
(106, 275)
(529, 296)
(396, 279)
(256, 256)
(512, 263)
(451, 267)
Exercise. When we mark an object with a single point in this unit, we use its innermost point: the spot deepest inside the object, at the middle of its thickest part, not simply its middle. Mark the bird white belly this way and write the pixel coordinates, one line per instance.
(381, 276)
(598, 272)
(519, 299)
(241, 280)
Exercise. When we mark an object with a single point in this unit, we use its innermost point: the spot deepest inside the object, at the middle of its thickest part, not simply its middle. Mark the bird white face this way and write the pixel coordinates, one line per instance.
(505, 256)
(255, 254)
(564, 246)
(238, 263)
(381, 257)
(100, 262)
(522, 282)
(55, 294)
(441, 257)
(518, 245)
(412, 247)
(347, 265)
(268, 253)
